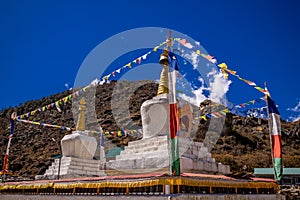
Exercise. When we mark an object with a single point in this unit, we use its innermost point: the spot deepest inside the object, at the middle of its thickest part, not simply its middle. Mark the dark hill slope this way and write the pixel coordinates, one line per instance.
(244, 143)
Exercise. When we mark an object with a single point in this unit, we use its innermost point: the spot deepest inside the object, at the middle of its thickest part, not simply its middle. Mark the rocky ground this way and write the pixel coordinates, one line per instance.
(244, 143)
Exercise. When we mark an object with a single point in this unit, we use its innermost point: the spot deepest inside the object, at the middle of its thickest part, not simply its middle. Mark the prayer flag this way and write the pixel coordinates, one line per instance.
(223, 112)
(139, 60)
(204, 117)
(213, 115)
(183, 41)
(174, 120)
(218, 114)
(144, 56)
(188, 45)
(249, 82)
(119, 133)
(223, 66)
(129, 65)
(275, 134)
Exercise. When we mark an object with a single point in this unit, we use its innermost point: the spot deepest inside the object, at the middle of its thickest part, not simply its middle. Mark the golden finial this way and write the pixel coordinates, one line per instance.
(163, 81)
(81, 121)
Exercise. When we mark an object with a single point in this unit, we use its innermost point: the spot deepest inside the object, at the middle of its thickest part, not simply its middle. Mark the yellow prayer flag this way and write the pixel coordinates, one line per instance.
(225, 74)
(258, 88)
(223, 65)
(120, 133)
(204, 117)
(198, 52)
(85, 88)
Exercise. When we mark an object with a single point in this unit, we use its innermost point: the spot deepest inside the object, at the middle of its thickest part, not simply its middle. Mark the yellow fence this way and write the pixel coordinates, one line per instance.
(177, 185)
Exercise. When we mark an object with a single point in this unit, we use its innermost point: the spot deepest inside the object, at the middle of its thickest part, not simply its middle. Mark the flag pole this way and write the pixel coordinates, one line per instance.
(173, 128)
(171, 147)
(5, 163)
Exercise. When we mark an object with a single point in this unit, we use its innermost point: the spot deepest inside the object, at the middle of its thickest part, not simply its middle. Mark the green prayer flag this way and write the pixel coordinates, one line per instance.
(175, 161)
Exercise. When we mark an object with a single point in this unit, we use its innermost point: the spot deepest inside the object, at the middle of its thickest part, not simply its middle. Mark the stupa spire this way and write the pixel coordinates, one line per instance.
(81, 121)
(163, 81)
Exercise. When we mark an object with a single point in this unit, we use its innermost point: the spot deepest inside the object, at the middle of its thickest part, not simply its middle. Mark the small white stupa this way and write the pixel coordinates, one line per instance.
(78, 150)
(79, 144)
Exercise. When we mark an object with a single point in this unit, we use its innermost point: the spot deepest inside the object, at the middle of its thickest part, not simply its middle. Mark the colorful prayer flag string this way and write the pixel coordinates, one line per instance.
(46, 125)
(121, 133)
(218, 114)
(222, 66)
(94, 83)
(118, 133)
(225, 71)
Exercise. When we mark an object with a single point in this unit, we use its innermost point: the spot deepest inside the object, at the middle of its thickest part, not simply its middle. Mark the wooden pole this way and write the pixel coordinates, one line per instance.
(12, 127)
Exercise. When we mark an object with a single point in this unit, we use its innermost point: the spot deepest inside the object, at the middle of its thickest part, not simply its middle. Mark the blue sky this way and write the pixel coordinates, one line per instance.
(43, 43)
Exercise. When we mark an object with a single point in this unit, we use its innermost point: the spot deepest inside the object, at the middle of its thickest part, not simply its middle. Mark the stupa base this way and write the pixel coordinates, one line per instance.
(72, 167)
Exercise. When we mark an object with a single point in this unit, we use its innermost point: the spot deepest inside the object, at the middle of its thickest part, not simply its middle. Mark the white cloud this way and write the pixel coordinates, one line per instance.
(68, 87)
(196, 99)
(294, 119)
(295, 116)
(296, 108)
(192, 57)
(219, 86)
